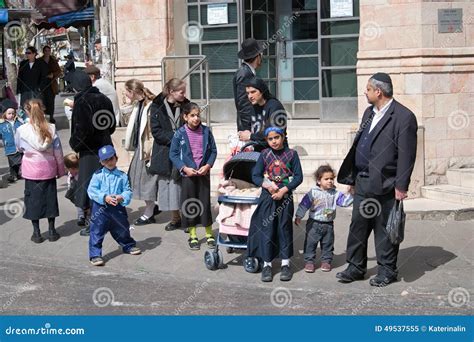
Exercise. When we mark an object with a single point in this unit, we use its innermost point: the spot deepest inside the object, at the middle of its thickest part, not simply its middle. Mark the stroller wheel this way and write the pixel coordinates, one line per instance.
(251, 265)
(220, 259)
(229, 250)
(210, 259)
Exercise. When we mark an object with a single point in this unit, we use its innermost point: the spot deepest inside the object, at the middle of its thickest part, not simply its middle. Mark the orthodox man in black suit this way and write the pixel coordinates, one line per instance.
(379, 165)
(251, 54)
(32, 76)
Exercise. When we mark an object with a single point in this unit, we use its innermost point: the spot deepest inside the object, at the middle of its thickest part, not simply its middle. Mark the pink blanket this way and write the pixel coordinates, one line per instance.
(235, 218)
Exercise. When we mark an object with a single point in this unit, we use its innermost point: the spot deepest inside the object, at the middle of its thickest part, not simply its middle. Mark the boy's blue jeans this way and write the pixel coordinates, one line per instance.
(107, 218)
(319, 232)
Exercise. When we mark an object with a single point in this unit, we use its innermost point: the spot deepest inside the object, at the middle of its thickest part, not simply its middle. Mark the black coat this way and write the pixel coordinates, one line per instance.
(93, 121)
(163, 132)
(244, 108)
(34, 79)
(392, 152)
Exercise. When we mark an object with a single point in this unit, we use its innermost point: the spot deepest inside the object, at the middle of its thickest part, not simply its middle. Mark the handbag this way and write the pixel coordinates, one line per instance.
(396, 223)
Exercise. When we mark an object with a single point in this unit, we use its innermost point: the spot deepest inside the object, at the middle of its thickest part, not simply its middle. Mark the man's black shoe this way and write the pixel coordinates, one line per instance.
(381, 281)
(286, 273)
(267, 275)
(348, 277)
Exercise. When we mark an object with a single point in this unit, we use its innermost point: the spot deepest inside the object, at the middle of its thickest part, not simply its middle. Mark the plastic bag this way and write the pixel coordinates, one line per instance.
(396, 223)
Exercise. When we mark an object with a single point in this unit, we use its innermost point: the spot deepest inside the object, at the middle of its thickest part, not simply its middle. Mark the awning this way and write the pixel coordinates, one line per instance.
(51, 8)
(70, 17)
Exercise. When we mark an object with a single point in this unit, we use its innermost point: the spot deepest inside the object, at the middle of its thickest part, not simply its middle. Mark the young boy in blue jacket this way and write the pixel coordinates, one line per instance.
(321, 201)
(110, 192)
(9, 122)
(193, 152)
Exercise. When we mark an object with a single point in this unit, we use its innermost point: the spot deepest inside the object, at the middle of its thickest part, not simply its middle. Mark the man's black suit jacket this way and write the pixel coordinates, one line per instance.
(392, 151)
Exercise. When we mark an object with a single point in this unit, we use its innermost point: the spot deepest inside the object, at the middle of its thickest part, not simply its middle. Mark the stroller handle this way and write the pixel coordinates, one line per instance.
(249, 143)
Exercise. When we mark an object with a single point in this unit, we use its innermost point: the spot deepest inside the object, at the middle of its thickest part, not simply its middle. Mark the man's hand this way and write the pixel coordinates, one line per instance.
(204, 170)
(111, 200)
(400, 195)
(189, 171)
(244, 135)
(350, 190)
(298, 221)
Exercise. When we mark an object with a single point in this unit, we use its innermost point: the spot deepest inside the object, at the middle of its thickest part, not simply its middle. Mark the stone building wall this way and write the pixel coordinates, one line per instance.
(433, 75)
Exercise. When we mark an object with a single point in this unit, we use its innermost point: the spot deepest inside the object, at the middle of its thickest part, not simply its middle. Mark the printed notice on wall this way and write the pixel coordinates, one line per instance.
(217, 14)
(341, 8)
(450, 20)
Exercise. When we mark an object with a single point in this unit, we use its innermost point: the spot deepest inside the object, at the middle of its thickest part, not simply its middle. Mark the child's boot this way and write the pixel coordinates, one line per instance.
(36, 237)
(193, 240)
(53, 234)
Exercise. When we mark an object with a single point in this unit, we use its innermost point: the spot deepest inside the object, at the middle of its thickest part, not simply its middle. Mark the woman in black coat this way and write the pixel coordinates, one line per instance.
(165, 119)
(93, 122)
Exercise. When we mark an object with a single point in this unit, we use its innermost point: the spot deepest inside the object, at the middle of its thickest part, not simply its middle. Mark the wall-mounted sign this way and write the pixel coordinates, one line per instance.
(217, 14)
(450, 20)
(341, 8)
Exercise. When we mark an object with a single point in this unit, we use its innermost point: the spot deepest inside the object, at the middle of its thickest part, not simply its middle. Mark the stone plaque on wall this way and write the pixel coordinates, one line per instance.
(450, 20)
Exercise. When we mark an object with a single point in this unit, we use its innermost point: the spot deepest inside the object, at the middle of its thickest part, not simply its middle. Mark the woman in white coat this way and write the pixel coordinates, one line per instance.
(139, 139)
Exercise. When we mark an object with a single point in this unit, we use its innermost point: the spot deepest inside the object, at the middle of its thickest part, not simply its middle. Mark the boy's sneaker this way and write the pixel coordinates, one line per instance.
(326, 267)
(286, 273)
(194, 244)
(97, 261)
(309, 267)
(211, 242)
(135, 251)
(85, 231)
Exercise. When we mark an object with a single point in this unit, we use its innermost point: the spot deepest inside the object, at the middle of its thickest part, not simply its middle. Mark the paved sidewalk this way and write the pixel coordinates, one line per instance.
(56, 278)
(435, 261)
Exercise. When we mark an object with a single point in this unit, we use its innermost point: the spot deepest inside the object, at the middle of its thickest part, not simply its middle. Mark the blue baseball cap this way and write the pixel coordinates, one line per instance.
(106, 152)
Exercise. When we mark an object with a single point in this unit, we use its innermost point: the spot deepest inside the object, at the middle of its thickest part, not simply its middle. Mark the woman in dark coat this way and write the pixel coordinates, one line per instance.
(165, 119)
(93, 122)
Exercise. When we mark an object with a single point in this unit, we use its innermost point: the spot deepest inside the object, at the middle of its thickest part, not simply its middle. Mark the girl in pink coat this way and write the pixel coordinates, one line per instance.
(42, 164)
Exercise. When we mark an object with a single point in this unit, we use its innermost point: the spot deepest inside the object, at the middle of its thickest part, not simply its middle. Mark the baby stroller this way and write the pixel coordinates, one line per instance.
(236, 207)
